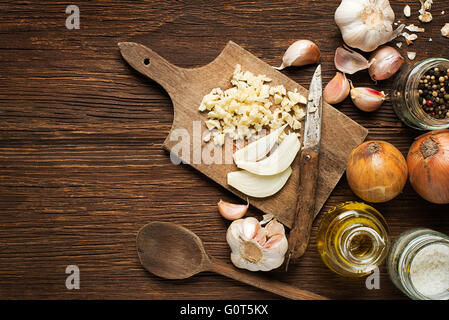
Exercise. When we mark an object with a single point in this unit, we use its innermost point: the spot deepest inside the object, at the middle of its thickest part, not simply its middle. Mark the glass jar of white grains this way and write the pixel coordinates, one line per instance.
(418, 264)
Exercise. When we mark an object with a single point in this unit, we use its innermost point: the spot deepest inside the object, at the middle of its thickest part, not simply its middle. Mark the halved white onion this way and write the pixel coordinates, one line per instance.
(258, 186)
(260, 148)
(278, 161)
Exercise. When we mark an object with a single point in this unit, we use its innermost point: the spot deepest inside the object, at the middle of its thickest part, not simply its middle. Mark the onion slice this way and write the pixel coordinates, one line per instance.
(278, 161)
(349, 61)
(260, 148)
(258, 186)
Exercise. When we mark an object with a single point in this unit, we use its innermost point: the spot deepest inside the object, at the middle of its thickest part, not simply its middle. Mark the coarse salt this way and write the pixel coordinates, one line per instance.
(429, 270)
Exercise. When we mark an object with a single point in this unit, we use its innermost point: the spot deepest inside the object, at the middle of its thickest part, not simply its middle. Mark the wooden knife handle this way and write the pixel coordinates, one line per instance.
(152, 65)
(305, 206)
(273, 286)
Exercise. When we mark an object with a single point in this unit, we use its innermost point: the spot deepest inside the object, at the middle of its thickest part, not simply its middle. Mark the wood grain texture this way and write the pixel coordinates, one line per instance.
(298, 238)
(82, 167)
(187, 87)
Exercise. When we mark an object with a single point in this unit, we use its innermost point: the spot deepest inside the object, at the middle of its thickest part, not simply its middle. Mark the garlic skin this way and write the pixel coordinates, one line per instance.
(385, 62)
(254, 247)
(337, 89)
(367, 99)
(300, 53)
(365, 24)
(349, 61)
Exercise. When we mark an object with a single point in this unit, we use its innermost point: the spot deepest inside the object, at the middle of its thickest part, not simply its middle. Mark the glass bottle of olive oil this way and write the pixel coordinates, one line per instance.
(353, 239)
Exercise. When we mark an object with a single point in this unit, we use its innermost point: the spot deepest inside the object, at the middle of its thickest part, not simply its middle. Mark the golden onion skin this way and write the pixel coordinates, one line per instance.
(376, 171)
(429, 169)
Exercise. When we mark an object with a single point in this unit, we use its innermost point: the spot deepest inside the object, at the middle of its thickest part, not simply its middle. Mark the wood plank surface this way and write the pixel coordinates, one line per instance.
(82, 167)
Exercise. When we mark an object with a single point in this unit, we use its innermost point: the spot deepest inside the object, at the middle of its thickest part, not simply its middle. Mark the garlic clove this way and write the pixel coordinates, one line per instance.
(385, 62)
(348, 61)
(258, 186)
(260, 148)
(231, 211)
(337, 89)
(274, 227)
(261, 237)
(278, 161)
(367, 99)
(274, 241)
(300, 53)
(250, 227)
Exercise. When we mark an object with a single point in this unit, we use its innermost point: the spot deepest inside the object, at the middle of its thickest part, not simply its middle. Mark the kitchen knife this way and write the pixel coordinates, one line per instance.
(309, 166)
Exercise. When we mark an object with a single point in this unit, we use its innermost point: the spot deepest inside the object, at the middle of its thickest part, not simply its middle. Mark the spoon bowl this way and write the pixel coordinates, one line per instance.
(170, 251)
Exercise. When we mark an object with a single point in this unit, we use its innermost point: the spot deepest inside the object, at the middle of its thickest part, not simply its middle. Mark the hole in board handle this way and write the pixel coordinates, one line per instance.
(146, 61)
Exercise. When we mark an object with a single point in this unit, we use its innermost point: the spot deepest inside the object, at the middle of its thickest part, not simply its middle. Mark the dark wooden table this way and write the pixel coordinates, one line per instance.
(81, 163)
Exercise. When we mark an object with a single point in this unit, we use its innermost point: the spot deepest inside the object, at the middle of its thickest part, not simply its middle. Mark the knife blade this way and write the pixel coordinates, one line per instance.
(309, 167)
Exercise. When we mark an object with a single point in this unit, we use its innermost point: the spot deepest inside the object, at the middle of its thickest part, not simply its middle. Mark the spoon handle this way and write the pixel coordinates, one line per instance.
(274, 286)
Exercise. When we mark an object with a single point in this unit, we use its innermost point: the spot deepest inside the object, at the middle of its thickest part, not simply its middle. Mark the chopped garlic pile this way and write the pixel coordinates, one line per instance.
(249, 106)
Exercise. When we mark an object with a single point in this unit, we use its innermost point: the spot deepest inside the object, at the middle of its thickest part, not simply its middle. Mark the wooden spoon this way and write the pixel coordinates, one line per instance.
(173, 252)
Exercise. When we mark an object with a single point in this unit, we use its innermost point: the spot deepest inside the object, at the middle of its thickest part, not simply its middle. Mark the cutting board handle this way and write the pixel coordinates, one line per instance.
(152, 65)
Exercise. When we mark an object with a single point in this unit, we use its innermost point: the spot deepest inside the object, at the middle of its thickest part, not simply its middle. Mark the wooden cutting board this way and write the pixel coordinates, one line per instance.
(186, 88)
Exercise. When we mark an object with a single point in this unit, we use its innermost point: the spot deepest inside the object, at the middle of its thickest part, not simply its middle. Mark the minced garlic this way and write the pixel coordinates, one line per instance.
(249, 106)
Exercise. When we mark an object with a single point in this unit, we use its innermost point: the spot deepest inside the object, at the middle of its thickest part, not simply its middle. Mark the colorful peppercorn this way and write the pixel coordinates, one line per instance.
(433, 90)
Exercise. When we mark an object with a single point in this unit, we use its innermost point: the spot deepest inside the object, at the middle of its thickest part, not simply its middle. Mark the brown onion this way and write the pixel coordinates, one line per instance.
(376, 171)
(428, 166)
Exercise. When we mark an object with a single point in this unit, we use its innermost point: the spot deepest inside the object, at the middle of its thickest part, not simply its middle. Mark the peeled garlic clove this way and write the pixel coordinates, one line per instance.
(231, 211)
(258, 186)
(385, 62)
(367, 99)
(337, 89)
(348, 61)
(260, 148)
(300, 53)
(278, 161)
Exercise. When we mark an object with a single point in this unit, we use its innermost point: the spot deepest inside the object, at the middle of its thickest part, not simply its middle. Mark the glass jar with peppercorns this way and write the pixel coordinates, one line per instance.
(420, 94)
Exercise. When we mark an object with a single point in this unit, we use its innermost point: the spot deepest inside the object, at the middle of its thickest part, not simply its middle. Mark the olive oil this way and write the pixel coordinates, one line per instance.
(353, 239)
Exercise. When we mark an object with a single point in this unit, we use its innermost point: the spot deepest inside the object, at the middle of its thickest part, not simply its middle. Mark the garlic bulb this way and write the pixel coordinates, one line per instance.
(366, 24)
(254, 247)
